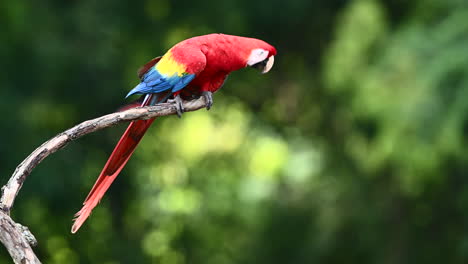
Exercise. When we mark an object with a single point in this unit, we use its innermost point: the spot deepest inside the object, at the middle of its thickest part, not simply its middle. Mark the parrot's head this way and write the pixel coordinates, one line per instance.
(261, 55)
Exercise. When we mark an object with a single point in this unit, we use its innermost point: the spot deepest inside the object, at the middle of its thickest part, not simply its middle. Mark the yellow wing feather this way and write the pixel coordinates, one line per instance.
(169, 67)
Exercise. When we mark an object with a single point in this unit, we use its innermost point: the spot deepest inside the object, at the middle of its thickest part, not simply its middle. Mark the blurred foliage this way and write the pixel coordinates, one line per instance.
(352, 150)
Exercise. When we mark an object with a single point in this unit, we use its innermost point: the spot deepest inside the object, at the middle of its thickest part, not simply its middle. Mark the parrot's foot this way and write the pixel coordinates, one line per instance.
(208, 99)
(177, 101)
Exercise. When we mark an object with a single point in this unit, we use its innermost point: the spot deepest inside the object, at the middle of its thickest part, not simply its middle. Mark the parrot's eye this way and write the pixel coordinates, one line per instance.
(256, 56)
(259, 59)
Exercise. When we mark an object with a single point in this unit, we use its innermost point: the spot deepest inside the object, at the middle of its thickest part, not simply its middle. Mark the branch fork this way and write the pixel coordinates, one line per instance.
(17, 238)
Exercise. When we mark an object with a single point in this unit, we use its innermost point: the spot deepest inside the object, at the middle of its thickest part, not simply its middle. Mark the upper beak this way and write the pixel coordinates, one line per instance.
(265, 65)
(269, 64)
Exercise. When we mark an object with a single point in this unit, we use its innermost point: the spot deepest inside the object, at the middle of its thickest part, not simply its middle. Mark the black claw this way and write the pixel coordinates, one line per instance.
(208, 99)
(177, 101)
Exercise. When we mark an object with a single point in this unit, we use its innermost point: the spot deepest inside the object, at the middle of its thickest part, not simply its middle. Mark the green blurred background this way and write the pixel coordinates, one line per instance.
(351, 150)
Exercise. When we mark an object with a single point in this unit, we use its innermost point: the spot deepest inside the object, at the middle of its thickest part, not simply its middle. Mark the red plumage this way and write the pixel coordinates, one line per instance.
(116, 162)
(224, 54)
(210, 58)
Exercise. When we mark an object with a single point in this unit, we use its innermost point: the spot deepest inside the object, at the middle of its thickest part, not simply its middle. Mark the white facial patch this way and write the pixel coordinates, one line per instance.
(256, 56)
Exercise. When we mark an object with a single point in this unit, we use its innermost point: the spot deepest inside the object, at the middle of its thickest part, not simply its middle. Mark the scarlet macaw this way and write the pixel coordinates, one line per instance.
(194, 67)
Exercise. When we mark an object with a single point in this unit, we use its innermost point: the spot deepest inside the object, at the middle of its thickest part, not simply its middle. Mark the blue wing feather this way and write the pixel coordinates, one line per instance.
(154, 82)
(151, 75)
(183, 82)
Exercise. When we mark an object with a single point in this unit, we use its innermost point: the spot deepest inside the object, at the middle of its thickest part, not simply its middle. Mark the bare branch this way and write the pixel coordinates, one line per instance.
(11, 189)
(14, 238)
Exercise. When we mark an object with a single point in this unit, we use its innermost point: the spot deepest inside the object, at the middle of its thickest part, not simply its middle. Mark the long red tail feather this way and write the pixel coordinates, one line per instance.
(119, 157)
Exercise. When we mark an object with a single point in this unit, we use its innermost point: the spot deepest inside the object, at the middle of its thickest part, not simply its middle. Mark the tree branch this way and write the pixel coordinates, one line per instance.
(18, 240)
(12, 235)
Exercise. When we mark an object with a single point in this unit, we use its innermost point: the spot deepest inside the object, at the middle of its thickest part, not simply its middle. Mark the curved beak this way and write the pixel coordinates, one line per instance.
(269, 64)
(265, 65)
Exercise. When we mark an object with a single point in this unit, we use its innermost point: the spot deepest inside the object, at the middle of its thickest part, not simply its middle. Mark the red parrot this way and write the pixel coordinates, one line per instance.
(192, 68)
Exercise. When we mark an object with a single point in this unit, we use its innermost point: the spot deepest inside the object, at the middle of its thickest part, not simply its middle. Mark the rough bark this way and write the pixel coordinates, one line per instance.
(17, 238)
